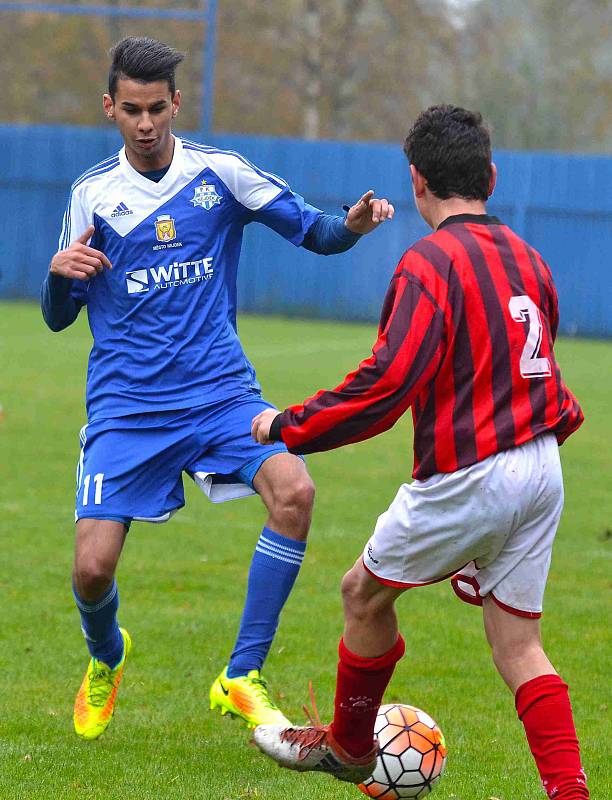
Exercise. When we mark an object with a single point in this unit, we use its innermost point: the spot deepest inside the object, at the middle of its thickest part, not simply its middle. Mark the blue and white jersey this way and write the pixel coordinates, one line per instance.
(163, 319)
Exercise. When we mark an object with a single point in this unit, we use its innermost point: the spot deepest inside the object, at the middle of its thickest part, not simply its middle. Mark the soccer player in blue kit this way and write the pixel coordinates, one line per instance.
(150, 245)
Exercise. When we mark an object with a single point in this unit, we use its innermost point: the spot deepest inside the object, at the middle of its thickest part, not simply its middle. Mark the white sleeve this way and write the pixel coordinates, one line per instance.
(77, 219)
(256, 188)
(268, 197)
(252, 187)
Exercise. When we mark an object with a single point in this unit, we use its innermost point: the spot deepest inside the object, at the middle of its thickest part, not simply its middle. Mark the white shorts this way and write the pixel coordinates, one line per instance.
(493, 523)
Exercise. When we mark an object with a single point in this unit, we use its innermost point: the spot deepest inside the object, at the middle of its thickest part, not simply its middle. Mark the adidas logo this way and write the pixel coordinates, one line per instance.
(121, 211)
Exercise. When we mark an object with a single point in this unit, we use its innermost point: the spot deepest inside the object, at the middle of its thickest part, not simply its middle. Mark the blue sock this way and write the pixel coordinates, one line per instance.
(274, 568)
(100, 627)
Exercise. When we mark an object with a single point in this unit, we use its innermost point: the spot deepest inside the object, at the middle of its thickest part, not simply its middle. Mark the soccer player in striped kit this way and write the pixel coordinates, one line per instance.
(466, 340)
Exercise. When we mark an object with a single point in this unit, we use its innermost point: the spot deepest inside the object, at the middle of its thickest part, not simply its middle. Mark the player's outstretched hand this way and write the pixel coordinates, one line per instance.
(79, 261)
(368, 213)
(260, 426)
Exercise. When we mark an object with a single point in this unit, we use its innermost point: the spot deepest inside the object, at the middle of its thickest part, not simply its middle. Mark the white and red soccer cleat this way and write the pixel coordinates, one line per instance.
(314, 748)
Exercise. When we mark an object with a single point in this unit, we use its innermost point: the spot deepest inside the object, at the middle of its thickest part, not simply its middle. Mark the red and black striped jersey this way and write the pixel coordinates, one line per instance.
(466, 339)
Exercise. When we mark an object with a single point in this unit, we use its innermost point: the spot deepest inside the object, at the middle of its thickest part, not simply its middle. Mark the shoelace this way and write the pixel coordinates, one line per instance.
(261, 690)
(100, 684)
(313, 718)
(307, 738)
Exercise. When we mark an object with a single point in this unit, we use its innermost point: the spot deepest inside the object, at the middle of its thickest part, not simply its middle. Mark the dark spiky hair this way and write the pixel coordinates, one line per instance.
(451, 147)
(144, 60)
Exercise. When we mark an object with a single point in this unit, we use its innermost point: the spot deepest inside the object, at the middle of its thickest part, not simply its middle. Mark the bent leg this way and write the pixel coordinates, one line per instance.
(368, 651)
(542, 700)
(97, 550)
(288, 493)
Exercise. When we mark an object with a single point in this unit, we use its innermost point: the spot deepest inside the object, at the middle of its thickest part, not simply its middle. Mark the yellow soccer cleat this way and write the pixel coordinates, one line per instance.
(95, 701)
(247, 697)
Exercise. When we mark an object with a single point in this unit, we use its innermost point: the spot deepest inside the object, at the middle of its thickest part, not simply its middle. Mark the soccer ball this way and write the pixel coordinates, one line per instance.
(412, 754)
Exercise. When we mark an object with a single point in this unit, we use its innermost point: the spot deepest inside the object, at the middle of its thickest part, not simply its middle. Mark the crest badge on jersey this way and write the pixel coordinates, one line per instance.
(164, 228)
(206, 196)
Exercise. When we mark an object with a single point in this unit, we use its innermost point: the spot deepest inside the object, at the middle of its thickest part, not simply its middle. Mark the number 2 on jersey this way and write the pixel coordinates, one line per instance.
(532, 365)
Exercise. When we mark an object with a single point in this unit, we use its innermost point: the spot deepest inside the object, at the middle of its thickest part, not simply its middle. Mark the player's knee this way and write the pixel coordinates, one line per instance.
(92, 577)
(349, 589)
(295, 499)
(359, 603)
(303, 494)
(509, 651)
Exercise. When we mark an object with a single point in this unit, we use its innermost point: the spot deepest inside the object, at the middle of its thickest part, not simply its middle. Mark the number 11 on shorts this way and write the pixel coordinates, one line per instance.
(98, 478)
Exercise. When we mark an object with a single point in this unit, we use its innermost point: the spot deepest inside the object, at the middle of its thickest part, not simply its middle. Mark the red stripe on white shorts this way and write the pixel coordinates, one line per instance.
(516, 611)
(401, 584)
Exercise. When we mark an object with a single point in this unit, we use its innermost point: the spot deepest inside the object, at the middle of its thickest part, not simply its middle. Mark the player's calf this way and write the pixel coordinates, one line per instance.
(544, 708)
(542, 701)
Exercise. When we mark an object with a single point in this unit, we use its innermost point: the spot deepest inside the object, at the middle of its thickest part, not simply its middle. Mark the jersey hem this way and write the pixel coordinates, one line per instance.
(423, 476)
(154, 408)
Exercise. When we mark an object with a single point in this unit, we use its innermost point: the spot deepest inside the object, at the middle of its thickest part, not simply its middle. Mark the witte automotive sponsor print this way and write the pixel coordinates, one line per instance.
(137, 281)
(179, 273)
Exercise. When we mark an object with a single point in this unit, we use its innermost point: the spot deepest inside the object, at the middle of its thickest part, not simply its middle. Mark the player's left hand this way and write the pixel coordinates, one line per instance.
(368, 213)
(260, 426)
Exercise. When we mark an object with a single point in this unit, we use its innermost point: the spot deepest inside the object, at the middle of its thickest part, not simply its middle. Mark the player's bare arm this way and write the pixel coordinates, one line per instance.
(79, 261)
(368, 213)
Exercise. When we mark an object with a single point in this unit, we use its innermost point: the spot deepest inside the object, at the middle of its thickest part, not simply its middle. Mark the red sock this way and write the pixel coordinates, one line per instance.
(360, 685)
(543, 706)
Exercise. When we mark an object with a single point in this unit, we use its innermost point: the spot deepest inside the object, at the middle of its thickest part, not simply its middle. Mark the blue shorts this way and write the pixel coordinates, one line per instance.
(131, 468)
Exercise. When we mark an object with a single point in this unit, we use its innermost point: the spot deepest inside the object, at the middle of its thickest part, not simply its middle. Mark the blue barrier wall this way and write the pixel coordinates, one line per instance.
(562, 204)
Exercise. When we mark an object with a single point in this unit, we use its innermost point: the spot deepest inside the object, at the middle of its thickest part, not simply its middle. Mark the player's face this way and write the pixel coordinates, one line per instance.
(143, 113)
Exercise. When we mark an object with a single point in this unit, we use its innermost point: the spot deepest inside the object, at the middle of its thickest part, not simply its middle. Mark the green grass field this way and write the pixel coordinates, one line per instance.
(182, 587)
